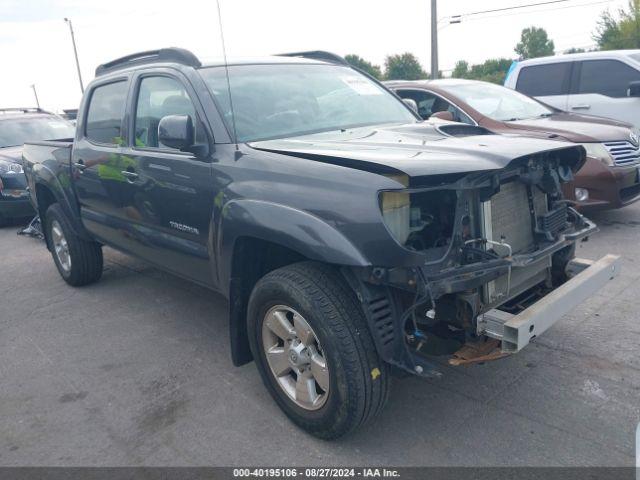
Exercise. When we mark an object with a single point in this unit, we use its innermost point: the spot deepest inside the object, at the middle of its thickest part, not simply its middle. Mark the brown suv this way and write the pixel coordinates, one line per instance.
(609, 179)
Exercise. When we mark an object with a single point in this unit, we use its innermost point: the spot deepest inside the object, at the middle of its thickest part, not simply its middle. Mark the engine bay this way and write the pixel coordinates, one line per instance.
(499, 239)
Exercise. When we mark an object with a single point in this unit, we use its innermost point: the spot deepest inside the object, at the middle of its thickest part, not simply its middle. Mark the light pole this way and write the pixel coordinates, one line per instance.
(75, 51)
(33, 86)
(434, 39)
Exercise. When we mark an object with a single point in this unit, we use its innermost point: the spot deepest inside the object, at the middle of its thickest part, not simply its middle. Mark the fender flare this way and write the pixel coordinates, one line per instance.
(299, 231)
(65, 197)
(295, 229)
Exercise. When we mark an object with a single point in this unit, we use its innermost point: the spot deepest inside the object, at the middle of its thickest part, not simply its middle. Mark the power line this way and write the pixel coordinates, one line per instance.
(600, 2)
(511, 8)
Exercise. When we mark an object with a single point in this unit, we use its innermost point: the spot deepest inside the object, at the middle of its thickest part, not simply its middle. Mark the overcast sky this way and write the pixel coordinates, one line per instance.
(35, 45)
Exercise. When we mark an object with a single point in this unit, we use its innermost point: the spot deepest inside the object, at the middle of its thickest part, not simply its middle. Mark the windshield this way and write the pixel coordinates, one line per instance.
(16, 131)
(498, 103)
(279, 101)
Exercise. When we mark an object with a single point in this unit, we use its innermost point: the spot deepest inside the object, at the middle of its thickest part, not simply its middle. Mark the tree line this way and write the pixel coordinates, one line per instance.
(615, 31)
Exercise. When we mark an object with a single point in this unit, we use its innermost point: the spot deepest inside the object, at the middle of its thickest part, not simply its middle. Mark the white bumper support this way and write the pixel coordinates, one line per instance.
(516, 331)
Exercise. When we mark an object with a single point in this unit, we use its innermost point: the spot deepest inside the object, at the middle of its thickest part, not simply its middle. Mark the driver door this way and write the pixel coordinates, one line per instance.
(601, 90)
(174, 193)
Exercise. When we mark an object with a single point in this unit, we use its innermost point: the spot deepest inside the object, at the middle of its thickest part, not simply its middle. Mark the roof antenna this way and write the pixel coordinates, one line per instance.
(226, 69)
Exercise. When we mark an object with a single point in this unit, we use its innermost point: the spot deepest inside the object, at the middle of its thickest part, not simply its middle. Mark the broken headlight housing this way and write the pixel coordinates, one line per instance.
(396, 210)
(419, 220)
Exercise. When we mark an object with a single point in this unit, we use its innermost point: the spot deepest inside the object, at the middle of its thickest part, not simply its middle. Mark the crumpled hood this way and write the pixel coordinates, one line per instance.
(415, 149)
(574, 128)
(11, 154)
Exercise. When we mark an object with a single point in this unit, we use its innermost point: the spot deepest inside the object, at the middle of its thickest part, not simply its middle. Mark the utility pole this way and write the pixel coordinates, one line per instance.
(75, 51)
(434, 39)
(33, 86)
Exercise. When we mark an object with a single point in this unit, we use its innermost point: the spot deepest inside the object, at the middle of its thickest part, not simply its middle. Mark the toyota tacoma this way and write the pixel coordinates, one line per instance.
(352, 239)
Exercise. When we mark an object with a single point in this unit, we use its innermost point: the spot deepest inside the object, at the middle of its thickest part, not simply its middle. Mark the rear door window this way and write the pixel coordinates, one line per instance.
(606, 77)
(544, 80)
(105, 113)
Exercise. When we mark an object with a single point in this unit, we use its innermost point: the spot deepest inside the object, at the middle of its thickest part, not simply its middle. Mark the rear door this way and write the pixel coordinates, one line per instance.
(173, 190)
(103, 192)
(549, 83)
(601, 88)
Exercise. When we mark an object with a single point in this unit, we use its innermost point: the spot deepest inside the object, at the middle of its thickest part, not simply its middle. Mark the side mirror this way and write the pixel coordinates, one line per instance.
(634, 89)
(445, 115)
(176, 131)
(411, 103)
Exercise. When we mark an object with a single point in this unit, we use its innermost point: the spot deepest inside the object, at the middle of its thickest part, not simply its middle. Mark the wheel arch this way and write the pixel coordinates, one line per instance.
(49, 190)
(252, 259)
(258, 237)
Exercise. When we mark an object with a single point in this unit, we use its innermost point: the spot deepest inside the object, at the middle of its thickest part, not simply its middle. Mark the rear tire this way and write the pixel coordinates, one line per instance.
(316, 296)
(78, 261)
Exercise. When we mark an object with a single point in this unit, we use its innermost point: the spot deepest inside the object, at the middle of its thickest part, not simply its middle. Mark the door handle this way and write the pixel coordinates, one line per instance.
(80, 165)
(583, 106)
(131, 176)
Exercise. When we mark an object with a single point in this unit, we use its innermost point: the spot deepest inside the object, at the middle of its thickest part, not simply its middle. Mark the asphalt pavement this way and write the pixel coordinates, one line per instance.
(136, 370)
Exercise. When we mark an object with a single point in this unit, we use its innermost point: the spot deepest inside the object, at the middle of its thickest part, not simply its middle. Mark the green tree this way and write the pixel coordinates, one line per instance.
(622, 33)
(404, 67)
(534, 43)
(493, 70)
(575, 50)
(461, 70)
(365, 66)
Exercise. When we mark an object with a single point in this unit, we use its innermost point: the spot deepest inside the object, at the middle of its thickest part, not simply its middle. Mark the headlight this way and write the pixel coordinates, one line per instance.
(396, 210)
(9, 167)
(599, 152)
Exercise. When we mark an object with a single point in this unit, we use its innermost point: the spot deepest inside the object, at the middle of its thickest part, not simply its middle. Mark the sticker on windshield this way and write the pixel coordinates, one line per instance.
(361, 86)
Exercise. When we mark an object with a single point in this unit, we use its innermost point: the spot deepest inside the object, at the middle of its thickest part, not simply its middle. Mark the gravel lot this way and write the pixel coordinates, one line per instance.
(136, 370)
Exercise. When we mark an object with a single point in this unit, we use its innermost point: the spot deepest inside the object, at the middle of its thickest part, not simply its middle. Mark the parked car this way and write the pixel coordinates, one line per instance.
(609, 178)
(349, 236)
(606, 84)
(19, 125)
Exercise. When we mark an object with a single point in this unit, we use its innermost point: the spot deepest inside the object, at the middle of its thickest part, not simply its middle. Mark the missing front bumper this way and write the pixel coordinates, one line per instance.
(516, 331)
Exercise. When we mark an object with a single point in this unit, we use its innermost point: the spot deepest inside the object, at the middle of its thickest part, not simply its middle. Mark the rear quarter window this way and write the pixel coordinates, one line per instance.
(544, 80)
(104, 116)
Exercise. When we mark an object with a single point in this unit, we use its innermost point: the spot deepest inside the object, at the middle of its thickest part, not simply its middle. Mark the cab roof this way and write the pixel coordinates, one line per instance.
(266, 60)
(184, 57)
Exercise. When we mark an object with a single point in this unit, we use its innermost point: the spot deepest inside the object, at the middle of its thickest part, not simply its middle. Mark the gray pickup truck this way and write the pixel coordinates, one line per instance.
(352, 239)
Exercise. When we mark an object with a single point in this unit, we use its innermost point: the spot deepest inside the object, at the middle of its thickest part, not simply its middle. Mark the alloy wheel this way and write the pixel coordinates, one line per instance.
(60, 246)
(295, 357)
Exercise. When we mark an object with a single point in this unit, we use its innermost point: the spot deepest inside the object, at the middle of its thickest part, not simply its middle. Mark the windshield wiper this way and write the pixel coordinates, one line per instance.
(9, 146)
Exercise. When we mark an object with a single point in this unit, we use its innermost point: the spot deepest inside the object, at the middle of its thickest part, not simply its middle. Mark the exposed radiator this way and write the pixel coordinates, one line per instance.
(511, 217)
(508, 218)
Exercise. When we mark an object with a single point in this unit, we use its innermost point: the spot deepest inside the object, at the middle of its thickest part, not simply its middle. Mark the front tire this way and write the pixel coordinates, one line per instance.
(78, 261)
(313, 349)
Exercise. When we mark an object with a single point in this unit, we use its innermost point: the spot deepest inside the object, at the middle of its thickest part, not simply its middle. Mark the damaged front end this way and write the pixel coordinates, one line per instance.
(494, 243)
